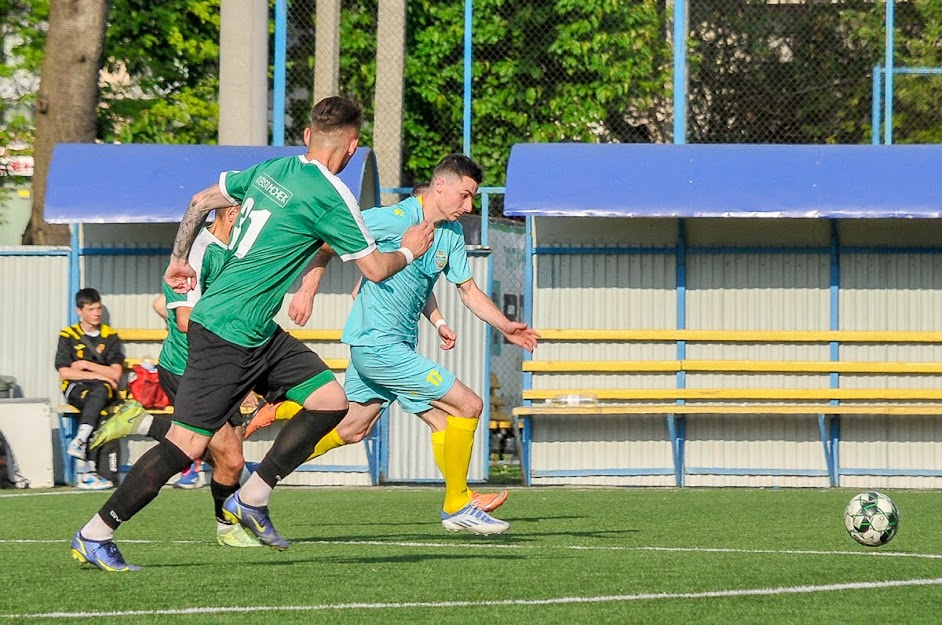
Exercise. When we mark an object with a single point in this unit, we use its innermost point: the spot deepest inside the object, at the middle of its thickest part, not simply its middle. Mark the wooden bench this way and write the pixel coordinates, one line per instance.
(826, 399)
(66, 412)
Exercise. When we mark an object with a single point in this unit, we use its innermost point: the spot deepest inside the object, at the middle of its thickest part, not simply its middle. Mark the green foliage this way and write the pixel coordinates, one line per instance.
(165, 58)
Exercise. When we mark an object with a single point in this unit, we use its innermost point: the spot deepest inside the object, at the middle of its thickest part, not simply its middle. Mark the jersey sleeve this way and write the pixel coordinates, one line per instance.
(114, 351)
(458, 270)
(174, 299)
(64, 352)
(213, 261)
(235, 184)
(386, 223)
(343, 229)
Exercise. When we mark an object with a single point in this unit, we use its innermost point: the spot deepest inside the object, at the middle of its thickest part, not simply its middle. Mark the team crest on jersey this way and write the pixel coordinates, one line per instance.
(272, 189)
(440, 259)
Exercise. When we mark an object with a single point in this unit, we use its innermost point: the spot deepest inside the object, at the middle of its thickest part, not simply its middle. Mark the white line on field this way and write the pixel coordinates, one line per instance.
(710, 594)
(493, 546)
(51, 492)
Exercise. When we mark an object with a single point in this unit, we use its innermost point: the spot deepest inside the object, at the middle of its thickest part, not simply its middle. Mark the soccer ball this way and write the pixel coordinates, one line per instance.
(871, 519)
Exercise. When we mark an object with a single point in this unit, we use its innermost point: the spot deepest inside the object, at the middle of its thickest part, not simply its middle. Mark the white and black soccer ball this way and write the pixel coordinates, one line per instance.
(871, 519)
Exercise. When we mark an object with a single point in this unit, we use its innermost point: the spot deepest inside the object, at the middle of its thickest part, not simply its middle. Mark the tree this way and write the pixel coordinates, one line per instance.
(68, 95)
(543, 70)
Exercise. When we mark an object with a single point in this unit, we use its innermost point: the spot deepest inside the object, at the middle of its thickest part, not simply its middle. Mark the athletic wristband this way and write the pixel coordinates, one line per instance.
(405, 251)
(440, 323)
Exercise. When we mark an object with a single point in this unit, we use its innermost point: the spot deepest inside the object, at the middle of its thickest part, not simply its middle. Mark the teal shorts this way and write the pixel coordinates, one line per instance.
(395, 373)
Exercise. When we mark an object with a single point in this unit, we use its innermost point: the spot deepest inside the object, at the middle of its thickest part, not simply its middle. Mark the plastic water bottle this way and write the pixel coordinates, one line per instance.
(573, 399)
(148, 363)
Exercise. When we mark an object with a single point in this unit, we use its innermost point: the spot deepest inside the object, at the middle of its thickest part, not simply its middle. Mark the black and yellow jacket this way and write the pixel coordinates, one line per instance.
(74, 344)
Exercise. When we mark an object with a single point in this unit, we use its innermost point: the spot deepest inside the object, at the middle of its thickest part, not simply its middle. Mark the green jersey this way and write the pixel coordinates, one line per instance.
(290, 207)
(206, 257)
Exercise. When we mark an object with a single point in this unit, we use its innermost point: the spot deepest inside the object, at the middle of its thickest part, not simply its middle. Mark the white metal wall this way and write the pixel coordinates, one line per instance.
(33, 308)
(734, 284)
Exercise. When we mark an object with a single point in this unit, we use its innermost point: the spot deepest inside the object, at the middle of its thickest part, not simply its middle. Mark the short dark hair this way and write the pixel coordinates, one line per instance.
(336, 113)
(461, 166)
(87, 296)
(419, 189)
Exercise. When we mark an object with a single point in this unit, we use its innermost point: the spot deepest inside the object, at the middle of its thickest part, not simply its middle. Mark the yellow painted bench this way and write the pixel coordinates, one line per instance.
(828, 403)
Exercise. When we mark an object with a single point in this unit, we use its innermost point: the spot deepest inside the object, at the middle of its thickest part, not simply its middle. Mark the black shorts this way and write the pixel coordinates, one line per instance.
(219, 374)
(170, 382)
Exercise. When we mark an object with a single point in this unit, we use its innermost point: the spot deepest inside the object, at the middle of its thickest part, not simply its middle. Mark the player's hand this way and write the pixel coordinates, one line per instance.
(180, 276)
(301, 307)
(104, 378)
(250, 402)
(419, 238)
(522, 335)
(448, 337)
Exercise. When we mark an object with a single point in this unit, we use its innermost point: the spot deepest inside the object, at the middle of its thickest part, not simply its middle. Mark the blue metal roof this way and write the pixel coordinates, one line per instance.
(644, 180)
(137, 183)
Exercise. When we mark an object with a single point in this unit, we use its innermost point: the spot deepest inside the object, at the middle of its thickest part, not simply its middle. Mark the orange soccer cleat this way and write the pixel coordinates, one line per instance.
(263, 416)
(488, 502)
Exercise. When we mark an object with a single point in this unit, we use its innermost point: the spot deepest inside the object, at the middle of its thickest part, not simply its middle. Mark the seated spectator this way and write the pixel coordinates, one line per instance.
(90, 361)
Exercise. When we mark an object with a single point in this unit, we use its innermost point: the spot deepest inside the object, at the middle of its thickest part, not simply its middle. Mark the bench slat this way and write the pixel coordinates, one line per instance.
(742, 393)
(626, 409)
(742, 336)
(143, 335)
(743, 366)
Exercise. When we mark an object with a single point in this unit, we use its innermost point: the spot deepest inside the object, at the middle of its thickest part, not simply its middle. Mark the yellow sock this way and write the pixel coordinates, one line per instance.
(438, 450)
(459, 438)
(286, 410)
(330, 441)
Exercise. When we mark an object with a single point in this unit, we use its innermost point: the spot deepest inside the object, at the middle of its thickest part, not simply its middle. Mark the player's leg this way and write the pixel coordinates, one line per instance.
(132, 419)
(225, 455)
(308, 381)
(214, 383)
(437, 420)
(90, 398)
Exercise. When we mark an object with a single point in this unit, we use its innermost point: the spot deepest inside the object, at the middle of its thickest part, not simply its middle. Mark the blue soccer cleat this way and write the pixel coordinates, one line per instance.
(104, 554)
(473, 520)
(256, 520)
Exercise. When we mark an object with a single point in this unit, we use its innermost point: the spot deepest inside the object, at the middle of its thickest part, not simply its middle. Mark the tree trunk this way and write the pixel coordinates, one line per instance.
(68, 95)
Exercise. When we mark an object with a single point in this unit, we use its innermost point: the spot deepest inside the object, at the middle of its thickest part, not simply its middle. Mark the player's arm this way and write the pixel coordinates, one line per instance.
(160, 306)
(484, 308)
(179, 275)
(302, 303)
(377, 266)
(183, 317)
(435, 317)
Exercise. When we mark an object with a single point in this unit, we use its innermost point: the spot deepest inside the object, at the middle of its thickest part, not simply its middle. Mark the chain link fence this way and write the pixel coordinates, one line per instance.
(758, 71)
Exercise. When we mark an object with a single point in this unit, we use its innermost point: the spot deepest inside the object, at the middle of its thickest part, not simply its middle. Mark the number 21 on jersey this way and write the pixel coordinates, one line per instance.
(244, 236)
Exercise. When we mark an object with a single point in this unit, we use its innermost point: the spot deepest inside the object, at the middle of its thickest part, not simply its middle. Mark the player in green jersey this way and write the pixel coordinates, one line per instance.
(382, 331)
(290, 207)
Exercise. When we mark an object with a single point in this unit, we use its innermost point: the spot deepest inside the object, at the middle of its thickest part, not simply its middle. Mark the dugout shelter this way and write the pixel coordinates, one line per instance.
(755, 315)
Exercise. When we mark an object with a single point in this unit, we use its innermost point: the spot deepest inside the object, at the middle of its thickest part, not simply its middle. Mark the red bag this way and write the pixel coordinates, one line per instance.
(145, 388)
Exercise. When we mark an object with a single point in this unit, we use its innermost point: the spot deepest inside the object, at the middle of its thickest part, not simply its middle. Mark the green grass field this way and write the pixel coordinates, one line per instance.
(572, 556)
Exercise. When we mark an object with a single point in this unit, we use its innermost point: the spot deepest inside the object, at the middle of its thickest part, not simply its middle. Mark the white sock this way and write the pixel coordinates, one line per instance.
(255, 492)
(97, 530)
(144, 424)
(84, 431)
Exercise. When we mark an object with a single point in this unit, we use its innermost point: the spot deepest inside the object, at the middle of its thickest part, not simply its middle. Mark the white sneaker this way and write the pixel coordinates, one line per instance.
(76, 449)
(93, 481)
(473, 520)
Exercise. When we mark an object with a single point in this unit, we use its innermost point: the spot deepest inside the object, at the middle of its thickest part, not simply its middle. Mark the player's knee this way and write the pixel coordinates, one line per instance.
(473, 406)
(351, 435)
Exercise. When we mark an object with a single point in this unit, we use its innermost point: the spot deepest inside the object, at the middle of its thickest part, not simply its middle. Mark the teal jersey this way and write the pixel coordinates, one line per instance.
(207, 257)
(290, 207)
(389, 311)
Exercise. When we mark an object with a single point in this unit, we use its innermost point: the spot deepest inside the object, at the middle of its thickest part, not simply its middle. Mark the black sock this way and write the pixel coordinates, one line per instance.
(144, 481)
(158, 428)
(220, 493)
(295, 443)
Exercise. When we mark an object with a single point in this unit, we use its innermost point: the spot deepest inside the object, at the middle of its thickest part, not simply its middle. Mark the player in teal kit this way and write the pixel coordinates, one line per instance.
(290, 207)
(382, 332)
